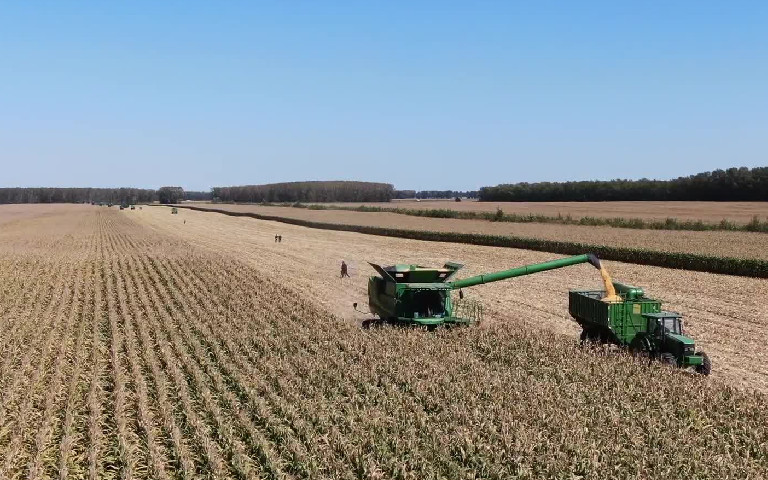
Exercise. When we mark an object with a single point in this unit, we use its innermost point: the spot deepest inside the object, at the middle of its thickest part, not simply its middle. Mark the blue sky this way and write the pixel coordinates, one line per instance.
(424, 95)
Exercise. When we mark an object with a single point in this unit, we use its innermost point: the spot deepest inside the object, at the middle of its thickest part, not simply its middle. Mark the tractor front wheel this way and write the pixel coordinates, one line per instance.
(668, 359)
(706, 365)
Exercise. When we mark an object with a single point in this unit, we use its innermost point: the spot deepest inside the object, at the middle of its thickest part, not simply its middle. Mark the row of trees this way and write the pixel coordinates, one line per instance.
(198, 196)
(333, 191)
(106, 195)
(733, 184)
(445, 194)
(76, 195)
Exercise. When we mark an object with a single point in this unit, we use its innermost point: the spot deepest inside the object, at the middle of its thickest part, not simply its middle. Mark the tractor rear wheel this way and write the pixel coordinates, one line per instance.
(642, 347)
(706, 365)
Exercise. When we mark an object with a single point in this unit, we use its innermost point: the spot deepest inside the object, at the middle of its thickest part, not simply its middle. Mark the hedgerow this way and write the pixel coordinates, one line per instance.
(670, 223)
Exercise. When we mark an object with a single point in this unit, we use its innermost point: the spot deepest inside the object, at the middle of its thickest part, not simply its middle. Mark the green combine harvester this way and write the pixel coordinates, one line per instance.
(421, 296)
(413, 295)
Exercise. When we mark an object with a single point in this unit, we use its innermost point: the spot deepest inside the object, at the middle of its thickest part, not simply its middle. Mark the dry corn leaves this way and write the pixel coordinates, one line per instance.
(127, 352)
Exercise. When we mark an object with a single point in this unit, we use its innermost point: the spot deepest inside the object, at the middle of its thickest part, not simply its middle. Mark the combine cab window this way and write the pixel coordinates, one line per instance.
(424, 303)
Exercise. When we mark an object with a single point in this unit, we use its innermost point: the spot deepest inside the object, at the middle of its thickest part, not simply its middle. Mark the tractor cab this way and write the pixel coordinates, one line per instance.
(667, 329)
(664, 323)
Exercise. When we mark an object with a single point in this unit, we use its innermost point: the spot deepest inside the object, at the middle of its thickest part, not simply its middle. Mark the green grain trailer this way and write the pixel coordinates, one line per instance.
(636, 322)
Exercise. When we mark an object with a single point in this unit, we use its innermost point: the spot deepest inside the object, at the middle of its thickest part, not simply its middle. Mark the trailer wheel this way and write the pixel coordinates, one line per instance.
(706, 365)
(589, 336)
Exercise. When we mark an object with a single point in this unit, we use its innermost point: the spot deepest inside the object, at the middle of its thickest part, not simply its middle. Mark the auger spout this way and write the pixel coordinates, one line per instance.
(526, 270)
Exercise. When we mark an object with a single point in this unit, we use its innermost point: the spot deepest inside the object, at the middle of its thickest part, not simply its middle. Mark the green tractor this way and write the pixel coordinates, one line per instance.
(638, 323)
(421, 296)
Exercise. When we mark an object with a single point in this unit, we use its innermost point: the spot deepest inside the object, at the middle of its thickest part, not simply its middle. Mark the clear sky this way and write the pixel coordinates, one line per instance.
(421, 94)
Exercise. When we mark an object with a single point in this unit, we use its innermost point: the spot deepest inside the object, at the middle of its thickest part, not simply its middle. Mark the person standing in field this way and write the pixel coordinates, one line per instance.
(275, 238)
(344, 272)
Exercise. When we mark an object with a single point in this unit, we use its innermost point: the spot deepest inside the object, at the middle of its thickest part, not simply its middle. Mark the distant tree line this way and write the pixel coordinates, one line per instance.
(332, 191)
(401, 194)
(733, 184)
(170, 194)
(446, 194)
(198, 196)
(76, 195)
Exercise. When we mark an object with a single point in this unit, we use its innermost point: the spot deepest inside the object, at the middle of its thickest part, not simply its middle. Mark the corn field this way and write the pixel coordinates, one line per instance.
(128, 353)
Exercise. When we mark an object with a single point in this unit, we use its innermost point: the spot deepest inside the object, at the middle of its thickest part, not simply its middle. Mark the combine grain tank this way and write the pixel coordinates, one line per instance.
(636, 322)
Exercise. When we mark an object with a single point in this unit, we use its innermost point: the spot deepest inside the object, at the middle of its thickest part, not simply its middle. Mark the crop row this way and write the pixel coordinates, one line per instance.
(678, 260)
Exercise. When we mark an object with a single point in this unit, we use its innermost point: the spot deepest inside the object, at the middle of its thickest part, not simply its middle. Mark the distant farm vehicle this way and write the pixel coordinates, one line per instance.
(133, 207)
(174, 210)
(636, 322)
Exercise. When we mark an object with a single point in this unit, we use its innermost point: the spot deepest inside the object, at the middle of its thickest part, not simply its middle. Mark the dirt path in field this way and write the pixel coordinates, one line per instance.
(726, 315)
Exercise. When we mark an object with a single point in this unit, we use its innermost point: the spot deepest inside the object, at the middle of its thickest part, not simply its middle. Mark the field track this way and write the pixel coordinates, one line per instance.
(134, 345)
(747, 245)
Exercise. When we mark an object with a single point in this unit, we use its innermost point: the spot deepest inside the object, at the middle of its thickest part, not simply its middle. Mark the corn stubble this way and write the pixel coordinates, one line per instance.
(128, 354)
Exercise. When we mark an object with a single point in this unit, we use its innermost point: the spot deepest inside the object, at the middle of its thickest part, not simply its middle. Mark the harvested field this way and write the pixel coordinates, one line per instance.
(709, 212)
(715, 243)
(133, 345)
(10, 213)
